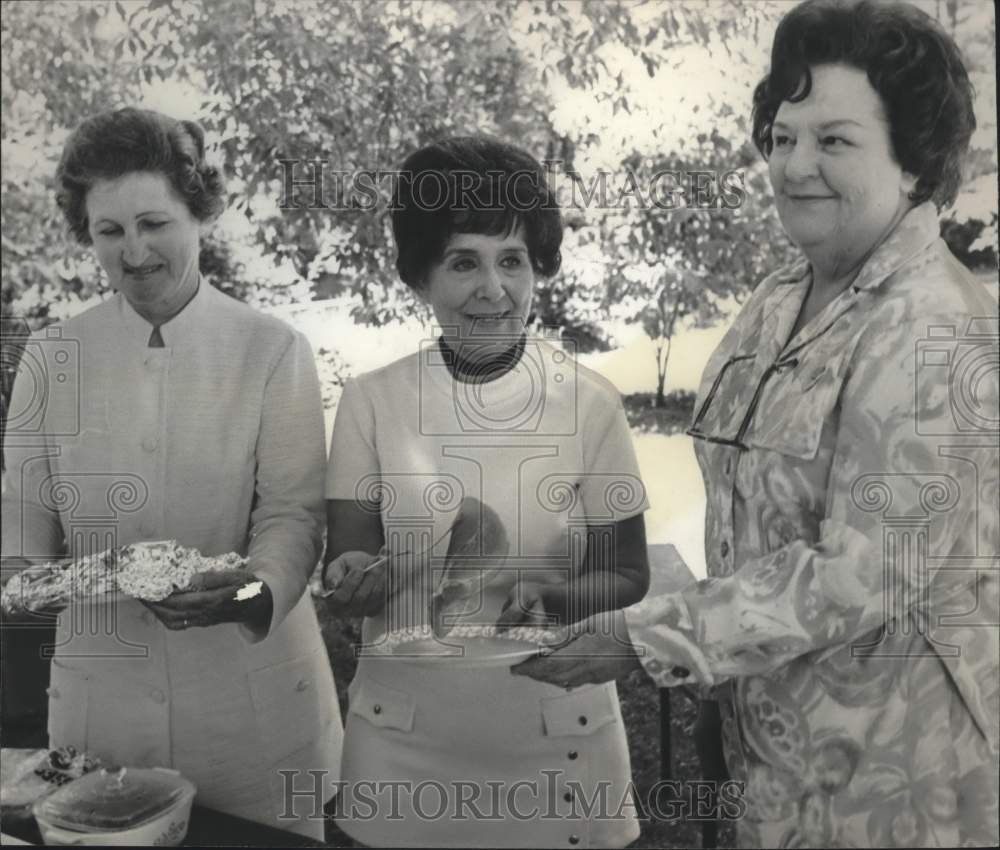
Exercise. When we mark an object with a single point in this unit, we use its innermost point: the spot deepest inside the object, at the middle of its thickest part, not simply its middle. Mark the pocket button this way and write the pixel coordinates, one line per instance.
(377, 709)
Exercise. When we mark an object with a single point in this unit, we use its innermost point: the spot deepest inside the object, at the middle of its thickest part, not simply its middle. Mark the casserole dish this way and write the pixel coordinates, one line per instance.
(118, 807)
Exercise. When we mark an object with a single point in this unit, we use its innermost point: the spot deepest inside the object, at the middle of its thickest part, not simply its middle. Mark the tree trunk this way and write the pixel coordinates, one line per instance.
(661, 362)
(661, 377)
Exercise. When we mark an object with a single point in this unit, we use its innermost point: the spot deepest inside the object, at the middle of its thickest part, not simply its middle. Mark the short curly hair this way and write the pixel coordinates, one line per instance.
(913, 65)
(472, 184)
(112, 144)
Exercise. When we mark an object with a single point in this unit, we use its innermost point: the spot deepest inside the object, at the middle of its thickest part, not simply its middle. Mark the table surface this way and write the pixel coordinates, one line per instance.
(208, 828)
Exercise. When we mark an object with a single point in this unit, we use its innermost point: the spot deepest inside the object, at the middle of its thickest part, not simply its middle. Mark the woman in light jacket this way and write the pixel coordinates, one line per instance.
(171, 411)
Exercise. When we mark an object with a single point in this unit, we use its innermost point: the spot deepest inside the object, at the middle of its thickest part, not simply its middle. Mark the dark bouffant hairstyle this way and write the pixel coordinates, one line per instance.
(472, 184)
(112, 144)
(915, 67)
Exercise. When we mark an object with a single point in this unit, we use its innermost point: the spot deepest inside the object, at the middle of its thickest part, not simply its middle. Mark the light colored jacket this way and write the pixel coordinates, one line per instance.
(215, 440)
(851, 537)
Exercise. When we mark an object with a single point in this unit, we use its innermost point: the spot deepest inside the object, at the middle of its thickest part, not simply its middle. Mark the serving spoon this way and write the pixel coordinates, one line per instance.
(465, 530)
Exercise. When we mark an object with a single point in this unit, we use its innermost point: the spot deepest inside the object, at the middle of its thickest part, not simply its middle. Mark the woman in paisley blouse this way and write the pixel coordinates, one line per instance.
(846, 429)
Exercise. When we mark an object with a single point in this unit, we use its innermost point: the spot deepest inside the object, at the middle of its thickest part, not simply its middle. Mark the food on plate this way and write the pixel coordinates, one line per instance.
(29, 775)
(468, 644)
(148, 571)
(124, 806)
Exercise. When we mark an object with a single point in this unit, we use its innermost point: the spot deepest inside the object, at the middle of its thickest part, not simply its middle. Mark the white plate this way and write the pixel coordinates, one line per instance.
(475, 652)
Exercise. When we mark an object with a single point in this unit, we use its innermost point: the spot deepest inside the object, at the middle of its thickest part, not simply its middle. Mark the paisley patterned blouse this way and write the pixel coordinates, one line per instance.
(850, 615)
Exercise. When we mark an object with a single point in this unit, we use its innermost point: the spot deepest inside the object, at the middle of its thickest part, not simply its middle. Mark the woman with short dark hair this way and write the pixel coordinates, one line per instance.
(455, 751)
(173, 412)
(846, 430)
(472, 185)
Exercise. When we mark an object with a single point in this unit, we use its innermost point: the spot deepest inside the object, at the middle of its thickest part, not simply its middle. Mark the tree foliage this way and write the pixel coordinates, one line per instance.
(357, 86)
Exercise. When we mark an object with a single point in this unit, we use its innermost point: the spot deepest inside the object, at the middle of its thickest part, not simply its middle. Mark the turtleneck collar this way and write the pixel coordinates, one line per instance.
(481, 371)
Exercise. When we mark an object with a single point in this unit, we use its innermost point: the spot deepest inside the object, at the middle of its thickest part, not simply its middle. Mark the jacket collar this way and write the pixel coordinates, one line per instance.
(188, 323)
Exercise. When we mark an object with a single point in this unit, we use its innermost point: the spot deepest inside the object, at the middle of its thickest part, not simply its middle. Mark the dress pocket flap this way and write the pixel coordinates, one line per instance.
(294, 701)
(383, 706)
(580, 712)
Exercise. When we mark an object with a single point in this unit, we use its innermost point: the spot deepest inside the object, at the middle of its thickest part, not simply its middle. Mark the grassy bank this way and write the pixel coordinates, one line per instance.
(673, 417)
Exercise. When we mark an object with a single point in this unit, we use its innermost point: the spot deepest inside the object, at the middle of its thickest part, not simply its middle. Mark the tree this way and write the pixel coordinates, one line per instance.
(687, 243)
(280, 86)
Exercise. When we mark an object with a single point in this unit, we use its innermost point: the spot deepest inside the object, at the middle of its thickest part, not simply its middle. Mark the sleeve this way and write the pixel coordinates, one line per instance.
(30, 528)
(908, 489)
(611, 488)
(286, 521)
(353, 467)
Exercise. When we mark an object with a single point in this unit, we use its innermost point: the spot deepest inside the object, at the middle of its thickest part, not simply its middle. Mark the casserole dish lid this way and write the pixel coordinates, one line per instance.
(114, 799)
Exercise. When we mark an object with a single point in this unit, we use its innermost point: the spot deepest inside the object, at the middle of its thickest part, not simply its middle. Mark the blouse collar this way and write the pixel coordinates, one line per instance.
(916, 230)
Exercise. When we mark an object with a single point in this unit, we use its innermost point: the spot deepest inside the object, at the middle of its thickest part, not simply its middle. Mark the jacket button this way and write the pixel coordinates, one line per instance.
(302, 684)
(53, 692)
(377, 709)
(158, 696)
(582, 720)
(574, 839)
(573, 755)
(724, 548)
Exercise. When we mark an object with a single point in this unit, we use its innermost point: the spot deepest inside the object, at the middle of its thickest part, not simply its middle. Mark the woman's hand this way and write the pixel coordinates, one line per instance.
(354, 589)
(532, 603)
(215, 597)
(589, 658)
(598, 653)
